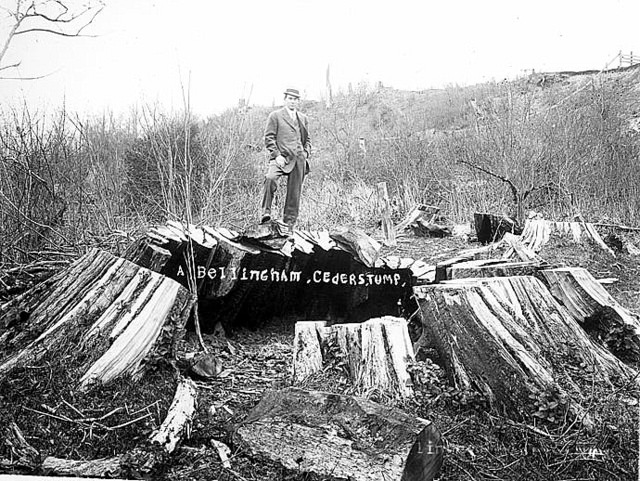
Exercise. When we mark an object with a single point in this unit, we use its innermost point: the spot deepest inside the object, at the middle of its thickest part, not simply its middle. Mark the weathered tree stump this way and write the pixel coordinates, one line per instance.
(247, 279)
(507, 338)
(340, 437)
(491, 228)
(537, 232)
(376, 353)
(598, 312)
(111, 309)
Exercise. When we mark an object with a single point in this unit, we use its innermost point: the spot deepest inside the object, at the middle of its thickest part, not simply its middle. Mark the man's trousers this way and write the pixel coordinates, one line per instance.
(294, 189)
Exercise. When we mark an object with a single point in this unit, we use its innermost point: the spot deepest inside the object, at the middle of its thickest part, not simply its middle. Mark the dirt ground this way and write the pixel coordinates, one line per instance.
(478, 444)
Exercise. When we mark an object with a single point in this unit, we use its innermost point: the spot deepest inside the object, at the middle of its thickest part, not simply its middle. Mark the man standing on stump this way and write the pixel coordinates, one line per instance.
(287, 139)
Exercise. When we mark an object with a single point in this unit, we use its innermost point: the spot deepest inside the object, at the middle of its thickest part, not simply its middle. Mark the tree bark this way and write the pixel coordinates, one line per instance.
(376, 352)
(340, 437)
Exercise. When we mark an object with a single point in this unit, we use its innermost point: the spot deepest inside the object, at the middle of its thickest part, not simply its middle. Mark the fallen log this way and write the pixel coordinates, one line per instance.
(492, 268)
(340, 437)
(509, 339)
(177, 424)
(97, 468)
(375, 352)
(598, 312)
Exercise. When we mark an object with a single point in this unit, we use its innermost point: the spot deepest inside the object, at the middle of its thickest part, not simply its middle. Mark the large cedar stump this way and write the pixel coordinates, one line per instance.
(509, 339)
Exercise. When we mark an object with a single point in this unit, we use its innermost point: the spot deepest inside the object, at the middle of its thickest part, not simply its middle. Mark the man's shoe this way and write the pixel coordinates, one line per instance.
(289, 231)
(265, 218)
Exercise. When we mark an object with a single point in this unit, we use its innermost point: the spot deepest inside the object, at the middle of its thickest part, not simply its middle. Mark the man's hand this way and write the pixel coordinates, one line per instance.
(280, 161)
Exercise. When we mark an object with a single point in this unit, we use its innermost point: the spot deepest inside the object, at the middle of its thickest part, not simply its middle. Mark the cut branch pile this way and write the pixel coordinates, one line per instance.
(142, 460)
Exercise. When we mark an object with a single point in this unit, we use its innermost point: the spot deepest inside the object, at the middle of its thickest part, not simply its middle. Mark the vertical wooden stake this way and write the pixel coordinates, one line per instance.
(388, 229)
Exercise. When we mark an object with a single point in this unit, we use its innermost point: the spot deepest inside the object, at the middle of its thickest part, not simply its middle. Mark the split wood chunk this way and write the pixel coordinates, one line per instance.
(340, 437)
(590, 304)
(491, 268)
(517, 248)
(506, 337)
(116, 311)
(147, 253)
(427, 229)
(177, 424)
(97, 468)
(428, 212)
(23, 455)
(358, 243)
(307, 354)
(377, 353)
(388, 229)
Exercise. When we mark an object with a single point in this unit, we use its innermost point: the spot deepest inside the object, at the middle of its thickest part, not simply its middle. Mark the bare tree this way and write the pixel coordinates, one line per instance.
(64, 18)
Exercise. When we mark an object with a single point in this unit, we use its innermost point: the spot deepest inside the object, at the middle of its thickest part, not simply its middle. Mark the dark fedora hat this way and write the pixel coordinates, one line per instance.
(292, 93)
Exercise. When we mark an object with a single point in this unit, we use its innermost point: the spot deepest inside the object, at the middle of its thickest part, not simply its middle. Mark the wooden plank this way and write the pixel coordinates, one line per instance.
(388, 229)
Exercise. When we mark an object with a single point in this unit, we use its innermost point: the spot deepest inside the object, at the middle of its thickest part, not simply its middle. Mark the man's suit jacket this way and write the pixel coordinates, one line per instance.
(281, 137)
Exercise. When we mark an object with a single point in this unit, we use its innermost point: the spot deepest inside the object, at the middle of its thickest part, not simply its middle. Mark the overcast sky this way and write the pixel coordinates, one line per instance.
(233, 49)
